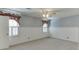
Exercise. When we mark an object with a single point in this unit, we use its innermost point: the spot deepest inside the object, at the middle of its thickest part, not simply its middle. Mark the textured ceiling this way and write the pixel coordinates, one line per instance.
(36, 12)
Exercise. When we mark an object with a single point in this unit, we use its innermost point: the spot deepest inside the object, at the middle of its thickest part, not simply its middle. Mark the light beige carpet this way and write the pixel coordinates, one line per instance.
(46, 44)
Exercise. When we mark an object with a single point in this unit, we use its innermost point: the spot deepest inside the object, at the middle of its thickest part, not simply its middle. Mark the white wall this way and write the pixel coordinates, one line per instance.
(66, 33)
(30, 29)
(72, 21)
(66, 28)
(4, 38)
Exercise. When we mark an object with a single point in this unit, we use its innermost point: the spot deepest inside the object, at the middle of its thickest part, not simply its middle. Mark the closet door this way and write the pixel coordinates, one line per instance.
(4, 37)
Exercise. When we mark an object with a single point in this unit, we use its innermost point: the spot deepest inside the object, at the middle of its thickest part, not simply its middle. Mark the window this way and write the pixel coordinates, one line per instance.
(13, 27)
(45, 27)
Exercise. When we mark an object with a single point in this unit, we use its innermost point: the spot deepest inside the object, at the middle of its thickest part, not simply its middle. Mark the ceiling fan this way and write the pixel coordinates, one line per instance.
(46, 13)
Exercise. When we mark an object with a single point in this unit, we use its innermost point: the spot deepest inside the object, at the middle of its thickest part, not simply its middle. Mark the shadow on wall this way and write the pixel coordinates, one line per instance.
(72, 21)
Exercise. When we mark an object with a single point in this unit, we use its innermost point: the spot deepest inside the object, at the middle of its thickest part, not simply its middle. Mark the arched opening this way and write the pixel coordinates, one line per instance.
(13, 27)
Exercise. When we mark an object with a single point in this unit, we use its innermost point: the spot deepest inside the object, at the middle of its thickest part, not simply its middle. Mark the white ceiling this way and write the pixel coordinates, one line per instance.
(36, 12)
